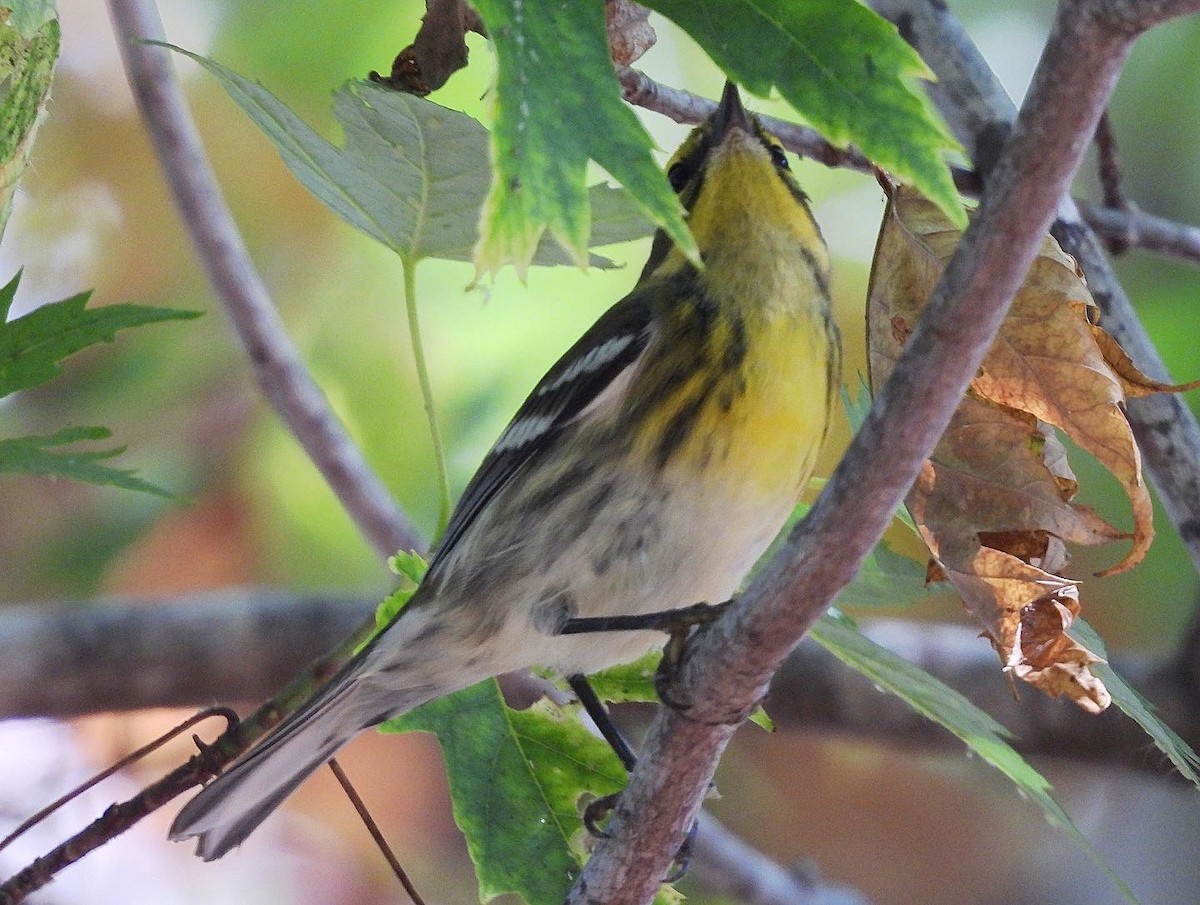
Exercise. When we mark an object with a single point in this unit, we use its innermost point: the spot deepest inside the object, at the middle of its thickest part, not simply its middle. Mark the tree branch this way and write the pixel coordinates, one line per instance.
(84, 657)
(731, 663)
(1137, 229)
(278, 368)
(93, 656)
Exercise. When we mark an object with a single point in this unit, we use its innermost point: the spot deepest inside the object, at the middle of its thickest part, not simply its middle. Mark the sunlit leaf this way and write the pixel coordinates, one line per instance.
(29, 43)
(558, 105)
(412, 174)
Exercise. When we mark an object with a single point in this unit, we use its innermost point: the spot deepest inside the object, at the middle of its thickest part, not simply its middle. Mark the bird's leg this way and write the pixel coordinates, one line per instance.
(678, 624)
(598, 810)
(673, 622)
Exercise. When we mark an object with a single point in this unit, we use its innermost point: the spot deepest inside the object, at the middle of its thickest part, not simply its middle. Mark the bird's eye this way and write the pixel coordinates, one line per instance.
(677, 176)
(779, 158)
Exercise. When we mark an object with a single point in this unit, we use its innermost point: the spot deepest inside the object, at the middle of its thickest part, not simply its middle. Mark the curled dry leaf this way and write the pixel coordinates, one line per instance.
(630, 33)
(994, 502)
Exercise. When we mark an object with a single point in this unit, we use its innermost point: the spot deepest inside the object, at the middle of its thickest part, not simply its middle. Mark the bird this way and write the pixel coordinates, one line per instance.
(647, 470)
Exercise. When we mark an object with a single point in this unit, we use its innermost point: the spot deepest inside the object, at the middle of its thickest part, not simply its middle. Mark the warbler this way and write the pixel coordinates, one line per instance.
(647, 470)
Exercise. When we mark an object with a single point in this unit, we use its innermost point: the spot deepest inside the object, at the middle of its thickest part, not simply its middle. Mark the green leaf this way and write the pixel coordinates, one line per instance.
(413, 175)
(28, 16)
(857, 407)
(843, 68)
(558, 105)
(515, 780)
(32, 345)
(410, 567)
(28, 51)
(628, 682)
(32, 456)
(943, 705)
(634, 682)
(1138, 708)
(886, 579)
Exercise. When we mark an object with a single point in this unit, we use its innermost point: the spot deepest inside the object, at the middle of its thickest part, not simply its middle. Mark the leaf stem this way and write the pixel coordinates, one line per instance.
(435, 434)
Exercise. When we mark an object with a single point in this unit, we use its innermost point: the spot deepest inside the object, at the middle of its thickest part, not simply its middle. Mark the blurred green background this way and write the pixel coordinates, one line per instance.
(93, 212)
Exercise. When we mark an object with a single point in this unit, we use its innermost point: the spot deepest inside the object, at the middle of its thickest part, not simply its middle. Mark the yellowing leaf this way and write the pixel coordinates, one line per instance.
(994, 502)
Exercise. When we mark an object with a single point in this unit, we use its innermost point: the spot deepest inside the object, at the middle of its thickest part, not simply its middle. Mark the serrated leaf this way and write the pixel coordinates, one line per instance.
(558, 105)
(32, 456)
(943, 705)
(28, 51)
(1126, 697)
(32, 345)
(515, 781)
(842, 67)
(412, 174)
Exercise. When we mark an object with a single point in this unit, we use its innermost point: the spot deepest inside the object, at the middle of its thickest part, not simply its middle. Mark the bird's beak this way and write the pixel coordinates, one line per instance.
(730, 114)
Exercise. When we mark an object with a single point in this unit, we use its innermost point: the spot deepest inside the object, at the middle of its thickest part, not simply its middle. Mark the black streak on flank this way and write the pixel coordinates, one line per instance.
(735, 350)
(680, 428)
(819, 275)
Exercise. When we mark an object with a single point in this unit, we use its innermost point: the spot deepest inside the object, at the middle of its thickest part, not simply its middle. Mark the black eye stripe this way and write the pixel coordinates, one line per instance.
(677, 176)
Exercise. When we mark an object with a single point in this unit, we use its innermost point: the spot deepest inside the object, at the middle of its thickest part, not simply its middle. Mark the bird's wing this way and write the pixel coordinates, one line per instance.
(612, 345)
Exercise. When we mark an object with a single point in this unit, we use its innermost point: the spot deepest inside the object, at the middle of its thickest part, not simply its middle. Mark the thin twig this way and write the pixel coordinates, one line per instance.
(281, 373)
(730, 665)
(726, 865)
(1137, 229)
(225, 713)
(688, 108)
(376, 833)
(1109, 165)
(1128, 225)
(118, 818)
(1109, 170)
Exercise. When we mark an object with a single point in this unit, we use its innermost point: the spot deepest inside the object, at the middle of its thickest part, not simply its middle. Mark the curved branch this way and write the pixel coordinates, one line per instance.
(277, 366)
(730, 664)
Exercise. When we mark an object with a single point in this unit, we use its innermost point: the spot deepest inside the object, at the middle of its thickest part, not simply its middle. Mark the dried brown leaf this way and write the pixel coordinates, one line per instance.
(994, 502)
(1133, 381)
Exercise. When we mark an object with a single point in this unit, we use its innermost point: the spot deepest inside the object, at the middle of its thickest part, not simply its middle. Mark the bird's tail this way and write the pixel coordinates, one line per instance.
(232, 806)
